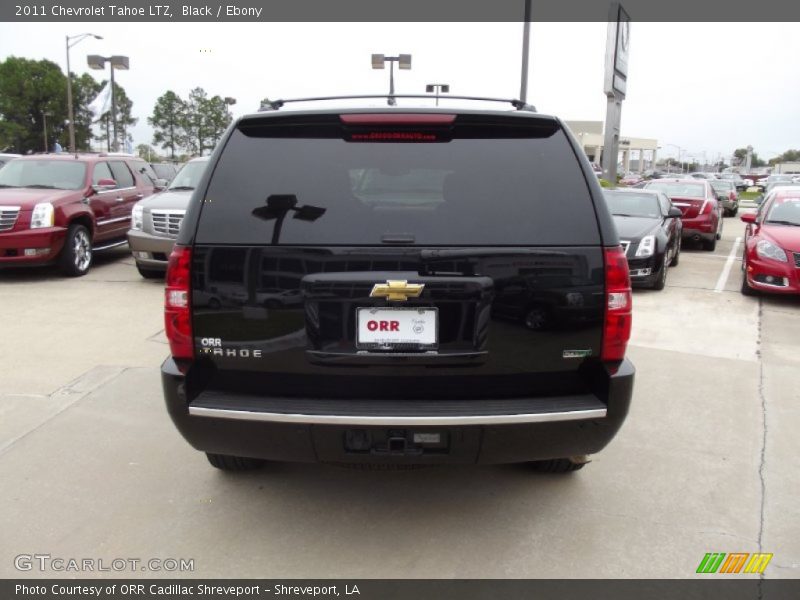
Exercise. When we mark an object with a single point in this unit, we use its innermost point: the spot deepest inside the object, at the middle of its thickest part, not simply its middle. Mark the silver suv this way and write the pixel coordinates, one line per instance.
(157, 220)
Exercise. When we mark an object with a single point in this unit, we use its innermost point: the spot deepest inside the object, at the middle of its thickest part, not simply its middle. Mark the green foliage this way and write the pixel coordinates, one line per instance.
(606, 183)
(147, 152)
(788, 156)
(196, 123)
(168, 119)
(28, 90)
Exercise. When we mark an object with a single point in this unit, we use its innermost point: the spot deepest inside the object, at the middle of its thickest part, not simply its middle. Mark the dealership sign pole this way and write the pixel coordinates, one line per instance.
(617, 46)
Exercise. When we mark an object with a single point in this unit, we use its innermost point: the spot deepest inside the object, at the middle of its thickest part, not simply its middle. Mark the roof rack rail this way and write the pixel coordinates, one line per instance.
(277, 104)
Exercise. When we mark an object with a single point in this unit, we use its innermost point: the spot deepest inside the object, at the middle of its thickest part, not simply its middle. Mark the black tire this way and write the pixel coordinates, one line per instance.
(557, 465)
(76, 256)
(734, 211)
(676, 259)
(661, 282)
(720, 228)
(150, 273)
(710, 245)
(225, 462)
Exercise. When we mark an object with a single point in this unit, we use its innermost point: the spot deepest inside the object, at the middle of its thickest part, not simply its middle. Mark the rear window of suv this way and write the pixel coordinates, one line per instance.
(512, 181)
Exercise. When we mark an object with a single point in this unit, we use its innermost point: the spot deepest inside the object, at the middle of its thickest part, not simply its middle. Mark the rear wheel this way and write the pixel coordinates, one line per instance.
(710, 245)
(76, 257)
(720, 225)
(149, 273)
(233, 463)
(677, 257)
(558, 465)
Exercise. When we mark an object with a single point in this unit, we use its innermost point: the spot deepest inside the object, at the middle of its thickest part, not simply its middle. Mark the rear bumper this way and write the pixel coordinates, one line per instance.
(468, 431)
(47, 241)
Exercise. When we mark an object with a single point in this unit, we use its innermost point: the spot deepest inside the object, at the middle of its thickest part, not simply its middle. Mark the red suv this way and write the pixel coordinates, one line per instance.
(59, 208)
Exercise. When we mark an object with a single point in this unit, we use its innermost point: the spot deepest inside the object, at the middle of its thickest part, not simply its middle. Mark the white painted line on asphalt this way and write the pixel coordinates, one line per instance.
(726, 270)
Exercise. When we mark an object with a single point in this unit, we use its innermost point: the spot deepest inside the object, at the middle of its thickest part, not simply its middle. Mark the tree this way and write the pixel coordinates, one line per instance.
(741, 155)
(194, 123)
(217, 118)
(30, 92)
(147, 152)
(788, 156)
(168, 121)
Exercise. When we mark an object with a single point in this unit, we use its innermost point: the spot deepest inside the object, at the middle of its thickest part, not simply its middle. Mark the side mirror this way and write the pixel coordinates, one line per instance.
(104, 185)
(160, 184)
(748, 217)
(674, 211)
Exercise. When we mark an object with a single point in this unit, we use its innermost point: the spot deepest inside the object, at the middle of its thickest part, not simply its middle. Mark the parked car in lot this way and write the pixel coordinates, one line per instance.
(771, 180)
(726, 195)
(771, 259)
(649, 229)
(157, 220)
(4, 158)
(736, 179)
(60, 208)
(631, 179)
(702, 213)
(389, 232)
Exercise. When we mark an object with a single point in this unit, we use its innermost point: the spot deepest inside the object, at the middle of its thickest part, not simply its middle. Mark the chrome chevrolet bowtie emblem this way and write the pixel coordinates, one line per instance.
(396, 291)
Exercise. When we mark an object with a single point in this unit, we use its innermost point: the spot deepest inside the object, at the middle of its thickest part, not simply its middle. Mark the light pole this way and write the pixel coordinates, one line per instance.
(115, 62)
(526, 37)
(437, 87)
(69, 44)
(403, 62)
(679, 156)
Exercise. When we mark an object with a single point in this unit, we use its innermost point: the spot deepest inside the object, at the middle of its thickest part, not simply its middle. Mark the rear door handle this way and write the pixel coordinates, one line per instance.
(120, 199)
(139, 196)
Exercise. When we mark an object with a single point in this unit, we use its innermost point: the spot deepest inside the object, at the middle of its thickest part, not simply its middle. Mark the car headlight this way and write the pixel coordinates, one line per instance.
(766, 249)
(137, 216)
(42, 216)
(647, 246)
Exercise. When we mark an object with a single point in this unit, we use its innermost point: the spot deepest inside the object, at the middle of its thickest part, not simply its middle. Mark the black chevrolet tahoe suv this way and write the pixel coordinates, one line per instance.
(398, 286)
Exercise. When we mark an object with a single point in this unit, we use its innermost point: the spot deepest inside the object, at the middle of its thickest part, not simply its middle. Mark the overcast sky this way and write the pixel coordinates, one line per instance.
(707, 87)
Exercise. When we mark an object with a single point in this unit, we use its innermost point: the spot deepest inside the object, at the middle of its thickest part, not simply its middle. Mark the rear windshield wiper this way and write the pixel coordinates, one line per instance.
(3, 185)
(41, 186)
(623, 215)
(182, 187)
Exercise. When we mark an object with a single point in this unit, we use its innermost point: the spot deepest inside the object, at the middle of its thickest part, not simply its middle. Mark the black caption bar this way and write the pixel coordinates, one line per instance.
(390, 10)
(390, 589)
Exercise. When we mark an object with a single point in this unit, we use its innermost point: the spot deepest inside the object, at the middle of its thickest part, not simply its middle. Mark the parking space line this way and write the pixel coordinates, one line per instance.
(726, 270)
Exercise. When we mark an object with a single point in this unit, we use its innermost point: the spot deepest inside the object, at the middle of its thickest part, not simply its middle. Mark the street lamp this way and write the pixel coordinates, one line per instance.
(116, 62)
(403, 61)
(76, 39)
(437, 87)
(679, 156)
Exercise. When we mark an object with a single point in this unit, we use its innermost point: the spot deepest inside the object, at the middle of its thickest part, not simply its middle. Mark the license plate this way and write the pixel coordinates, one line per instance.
(397, 328)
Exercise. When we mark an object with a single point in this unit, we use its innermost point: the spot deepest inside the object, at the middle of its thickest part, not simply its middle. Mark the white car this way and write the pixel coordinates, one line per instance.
(4, 158)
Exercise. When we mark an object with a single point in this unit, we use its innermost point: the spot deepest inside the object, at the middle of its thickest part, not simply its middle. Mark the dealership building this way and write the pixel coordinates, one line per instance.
(635, 154)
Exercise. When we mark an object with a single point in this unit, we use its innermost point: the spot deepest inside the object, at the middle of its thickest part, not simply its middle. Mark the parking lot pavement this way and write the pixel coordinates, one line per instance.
(92, 466)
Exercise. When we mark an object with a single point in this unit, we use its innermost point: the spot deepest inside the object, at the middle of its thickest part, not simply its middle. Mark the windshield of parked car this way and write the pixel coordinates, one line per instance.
(784, 211)
(679, 189)
(626, 204)
(189, 176)
(45, 174)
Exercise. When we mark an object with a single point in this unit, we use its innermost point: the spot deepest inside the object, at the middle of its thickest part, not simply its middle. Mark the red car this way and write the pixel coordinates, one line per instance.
(771, 260)
(702, 213)
(59, 208)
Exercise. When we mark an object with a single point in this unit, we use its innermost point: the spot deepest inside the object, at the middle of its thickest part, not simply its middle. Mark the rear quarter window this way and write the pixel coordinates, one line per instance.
(485, 186)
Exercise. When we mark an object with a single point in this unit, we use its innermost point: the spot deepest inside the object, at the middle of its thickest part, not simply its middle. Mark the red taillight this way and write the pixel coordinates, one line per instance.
(706, 208)
(617, 330)
(177, 306)
(732, 196)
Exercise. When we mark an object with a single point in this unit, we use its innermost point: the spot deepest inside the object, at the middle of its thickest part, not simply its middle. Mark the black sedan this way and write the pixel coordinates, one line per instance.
(649, 229)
